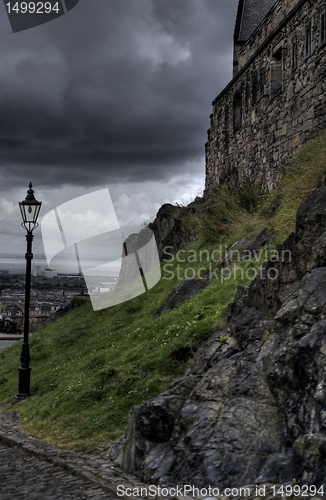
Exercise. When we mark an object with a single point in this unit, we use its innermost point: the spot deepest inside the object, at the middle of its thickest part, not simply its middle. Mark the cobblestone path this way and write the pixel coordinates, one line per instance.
(23, 476)
(31, 469)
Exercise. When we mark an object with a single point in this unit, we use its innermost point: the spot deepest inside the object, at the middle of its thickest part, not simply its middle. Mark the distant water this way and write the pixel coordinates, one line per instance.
(18, 266)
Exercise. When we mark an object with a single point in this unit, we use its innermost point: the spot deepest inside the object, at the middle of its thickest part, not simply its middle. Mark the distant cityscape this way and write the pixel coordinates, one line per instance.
(50, 292)
(16, 264)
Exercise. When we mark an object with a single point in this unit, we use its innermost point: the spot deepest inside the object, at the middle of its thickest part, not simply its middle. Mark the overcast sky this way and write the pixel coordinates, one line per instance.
(117, 94)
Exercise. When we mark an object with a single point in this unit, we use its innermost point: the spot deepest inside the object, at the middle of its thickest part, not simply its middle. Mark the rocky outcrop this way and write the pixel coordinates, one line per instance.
(171, 234)
(184, 292)
(252, 409)
(169, 230)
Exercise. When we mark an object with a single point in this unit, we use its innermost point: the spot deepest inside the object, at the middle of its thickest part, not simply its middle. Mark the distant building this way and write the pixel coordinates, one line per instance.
(55, 307)
(45, 310)
(50, 273)
(38, 271)
(34, 310)
(13, 312)
(47, 273)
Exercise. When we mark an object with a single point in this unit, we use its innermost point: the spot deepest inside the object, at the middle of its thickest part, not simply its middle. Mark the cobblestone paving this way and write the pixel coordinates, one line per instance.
(32, 469)
(24, 476)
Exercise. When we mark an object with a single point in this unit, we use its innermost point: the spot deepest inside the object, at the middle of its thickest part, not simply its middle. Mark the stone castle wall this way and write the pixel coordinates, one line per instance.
(275, 102)
(274, 18)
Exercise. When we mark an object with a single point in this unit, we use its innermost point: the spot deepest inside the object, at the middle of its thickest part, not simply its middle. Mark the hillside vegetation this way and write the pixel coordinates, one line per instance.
(89, 368)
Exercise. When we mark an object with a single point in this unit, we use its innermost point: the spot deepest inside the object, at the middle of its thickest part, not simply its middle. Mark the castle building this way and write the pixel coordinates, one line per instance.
(277, 97)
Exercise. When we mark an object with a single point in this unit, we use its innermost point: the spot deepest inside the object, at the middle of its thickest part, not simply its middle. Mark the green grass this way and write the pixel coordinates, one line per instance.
(89, 368)
(300, 178)
(242, 212)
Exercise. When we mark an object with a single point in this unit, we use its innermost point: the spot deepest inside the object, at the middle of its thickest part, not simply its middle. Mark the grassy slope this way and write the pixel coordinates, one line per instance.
(89, 368)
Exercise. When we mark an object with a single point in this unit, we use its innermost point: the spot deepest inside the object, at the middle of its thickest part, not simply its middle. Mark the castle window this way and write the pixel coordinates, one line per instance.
(226, 126)
(254, 88)
(247, 97)
(237, 111)
(226, 117)
(294, 53)
(323, 28)
(308, 40)
(277, 73)
(263, 83)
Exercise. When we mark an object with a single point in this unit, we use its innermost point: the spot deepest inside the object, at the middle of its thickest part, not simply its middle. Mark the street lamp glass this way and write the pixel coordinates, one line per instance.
(30, 209)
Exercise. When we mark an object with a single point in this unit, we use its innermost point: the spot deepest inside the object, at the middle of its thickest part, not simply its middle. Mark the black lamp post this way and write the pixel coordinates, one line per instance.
(30, 209)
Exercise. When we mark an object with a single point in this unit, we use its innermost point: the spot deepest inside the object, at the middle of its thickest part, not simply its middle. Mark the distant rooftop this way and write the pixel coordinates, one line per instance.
(249, 16)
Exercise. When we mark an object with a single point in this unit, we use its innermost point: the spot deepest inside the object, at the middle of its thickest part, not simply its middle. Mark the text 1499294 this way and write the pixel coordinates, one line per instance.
(32, 7)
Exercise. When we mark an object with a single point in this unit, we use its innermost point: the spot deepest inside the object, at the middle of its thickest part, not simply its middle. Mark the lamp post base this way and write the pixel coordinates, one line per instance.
(23, 383)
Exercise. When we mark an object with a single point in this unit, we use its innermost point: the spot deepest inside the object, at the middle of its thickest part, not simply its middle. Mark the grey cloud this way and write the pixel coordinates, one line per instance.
(114, 91)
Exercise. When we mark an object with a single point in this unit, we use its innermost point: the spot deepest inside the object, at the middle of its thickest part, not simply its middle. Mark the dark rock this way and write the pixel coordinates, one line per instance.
(170, 232)
(251, 324)
(183, 353)
(322, 447)
(252, 409)
(319, 250)
(274, 205)
(235, 250)
(264, 239)
(155, 423)
(184, 292)
(278, 469)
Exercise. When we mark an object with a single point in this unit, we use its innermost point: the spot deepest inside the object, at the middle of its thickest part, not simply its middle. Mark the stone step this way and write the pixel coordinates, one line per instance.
(10, 336)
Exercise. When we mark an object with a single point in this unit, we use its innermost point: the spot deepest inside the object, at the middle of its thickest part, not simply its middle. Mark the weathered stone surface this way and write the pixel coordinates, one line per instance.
(263, 239)
(252, 409)
(184, 292)
(170, 232)
(263, 114)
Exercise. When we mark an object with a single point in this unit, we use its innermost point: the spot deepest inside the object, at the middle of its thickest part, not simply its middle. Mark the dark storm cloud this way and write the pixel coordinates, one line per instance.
(115, 90)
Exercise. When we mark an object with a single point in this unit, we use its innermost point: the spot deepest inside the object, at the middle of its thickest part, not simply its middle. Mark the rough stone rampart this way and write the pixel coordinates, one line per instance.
(279, 14)
(275, 102)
